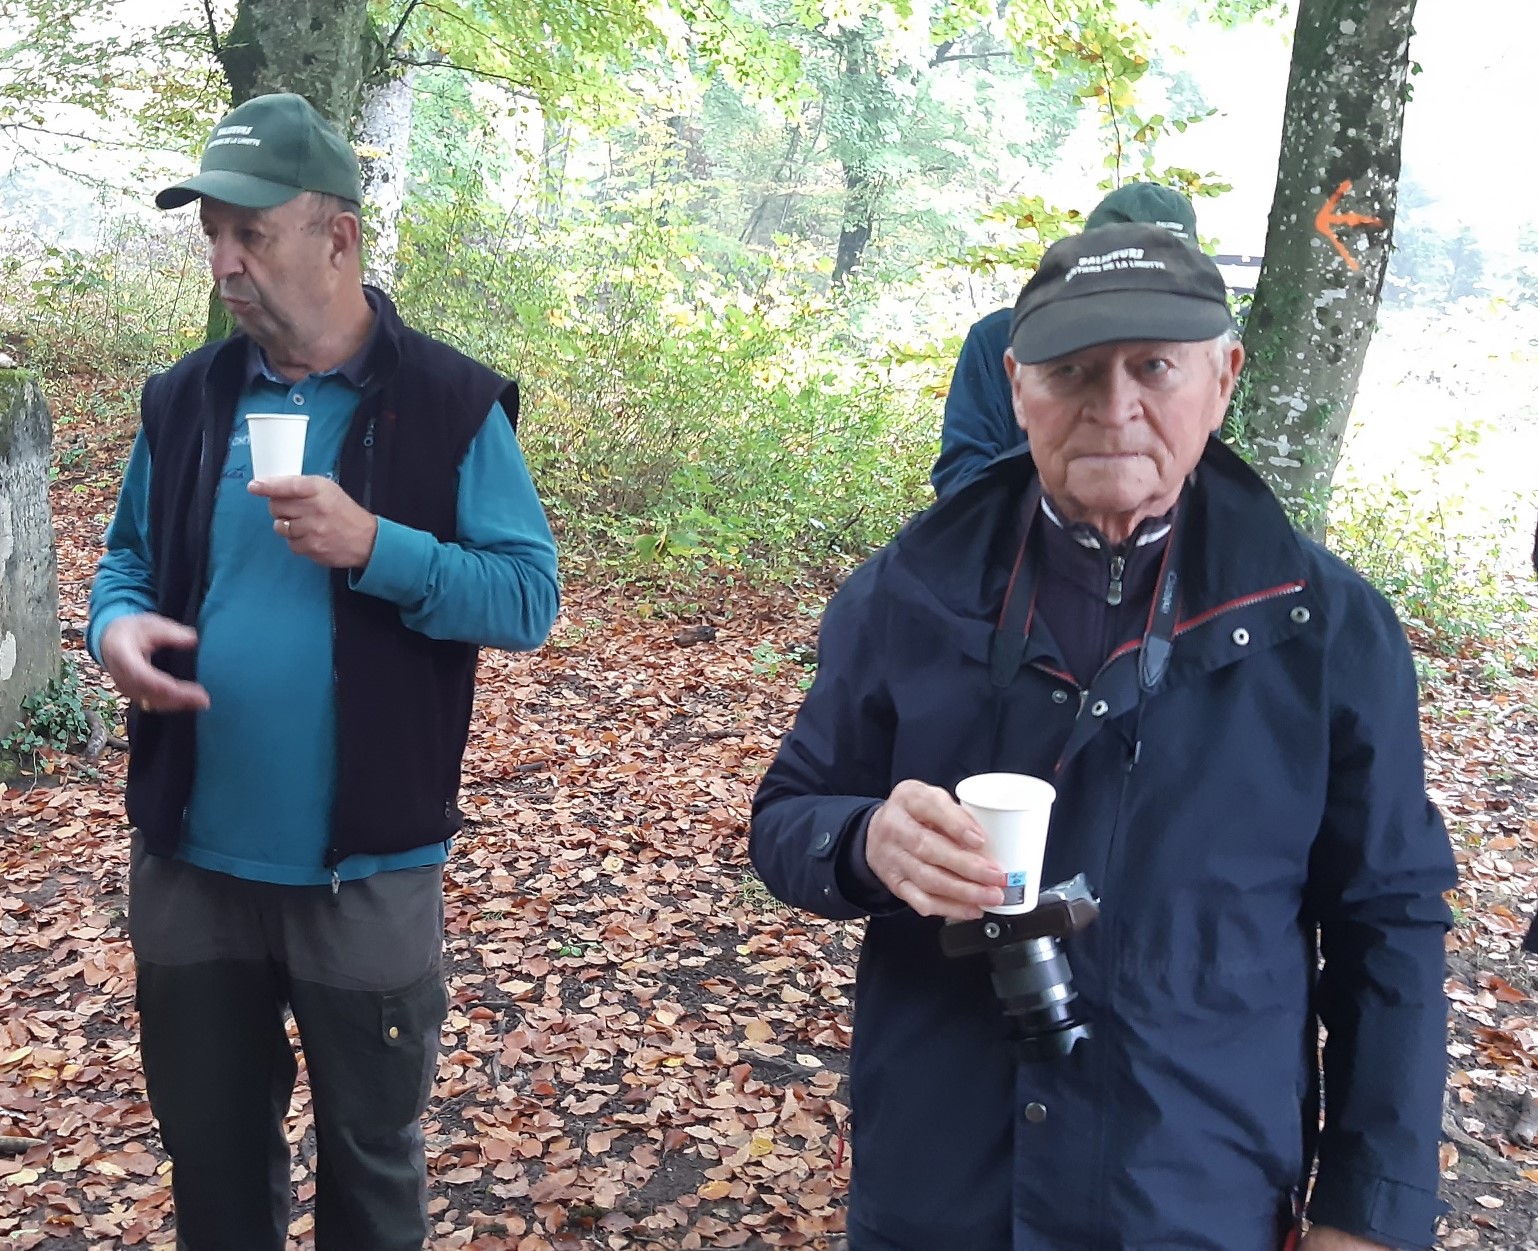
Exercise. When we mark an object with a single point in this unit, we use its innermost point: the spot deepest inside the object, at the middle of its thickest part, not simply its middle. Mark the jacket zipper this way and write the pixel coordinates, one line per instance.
(1113, 592)
(1247, 601)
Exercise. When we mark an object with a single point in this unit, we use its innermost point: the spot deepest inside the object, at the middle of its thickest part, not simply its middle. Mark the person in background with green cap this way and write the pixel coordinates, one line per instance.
(300, 654)
(979, 416)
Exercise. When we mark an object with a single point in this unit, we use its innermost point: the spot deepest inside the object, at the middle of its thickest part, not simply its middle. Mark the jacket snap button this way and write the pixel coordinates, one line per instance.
(1299, 615)
(1035, 1113)
(395, 1031)
(1241, 637)
(1099, 708)
(298, 399)
(1059, 697)
(823, 840)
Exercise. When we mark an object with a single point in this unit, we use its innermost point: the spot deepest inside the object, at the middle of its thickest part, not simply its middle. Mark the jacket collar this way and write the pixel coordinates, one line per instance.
(1236, 542)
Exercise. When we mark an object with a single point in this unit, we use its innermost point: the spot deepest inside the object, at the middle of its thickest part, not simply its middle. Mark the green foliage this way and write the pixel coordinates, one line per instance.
(1035, 226)
(1525, 275)
(768, 659)
(675, 416)
(1229, 13)
(55, 718)
(573, 58)
(136, 299)
(98, 59)
(1088, 51)
(1090, 47)
(902, 130)
(456, 151)
(1448, 586)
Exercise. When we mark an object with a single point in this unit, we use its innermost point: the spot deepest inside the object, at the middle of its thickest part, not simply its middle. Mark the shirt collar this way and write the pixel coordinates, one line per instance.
(1150, 530)
(355, 369)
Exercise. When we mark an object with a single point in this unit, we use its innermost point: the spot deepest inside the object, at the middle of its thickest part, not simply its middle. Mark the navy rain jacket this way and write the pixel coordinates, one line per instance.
(1268, 797)
(979, 411)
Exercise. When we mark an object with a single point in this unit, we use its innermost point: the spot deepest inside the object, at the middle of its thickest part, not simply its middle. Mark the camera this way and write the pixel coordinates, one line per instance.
(1030, 970)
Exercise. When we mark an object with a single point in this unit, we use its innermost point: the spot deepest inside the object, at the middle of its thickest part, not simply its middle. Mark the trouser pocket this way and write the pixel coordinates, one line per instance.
(371, 1055)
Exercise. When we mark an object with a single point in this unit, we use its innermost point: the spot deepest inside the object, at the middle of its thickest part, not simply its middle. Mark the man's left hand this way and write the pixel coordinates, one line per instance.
(319, 520)
(1323, 1238)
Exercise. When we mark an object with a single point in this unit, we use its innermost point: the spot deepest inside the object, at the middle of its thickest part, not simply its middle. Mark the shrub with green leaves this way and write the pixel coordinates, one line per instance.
(1450, 585)
(674, 413)
(56, 718)
(136, 300)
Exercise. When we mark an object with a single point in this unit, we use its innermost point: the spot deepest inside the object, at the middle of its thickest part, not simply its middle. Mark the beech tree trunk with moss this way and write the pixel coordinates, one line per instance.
(1327, 245)
(319, 49)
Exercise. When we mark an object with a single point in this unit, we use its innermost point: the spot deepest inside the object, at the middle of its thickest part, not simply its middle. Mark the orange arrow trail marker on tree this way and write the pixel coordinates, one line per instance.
(1326, 219)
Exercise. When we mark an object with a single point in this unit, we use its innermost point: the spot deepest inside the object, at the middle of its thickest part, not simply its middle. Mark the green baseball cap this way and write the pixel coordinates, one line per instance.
(266, 152)
(1146, 202)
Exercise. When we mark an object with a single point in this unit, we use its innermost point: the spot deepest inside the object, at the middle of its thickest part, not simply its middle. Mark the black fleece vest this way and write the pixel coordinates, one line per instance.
(403, 699)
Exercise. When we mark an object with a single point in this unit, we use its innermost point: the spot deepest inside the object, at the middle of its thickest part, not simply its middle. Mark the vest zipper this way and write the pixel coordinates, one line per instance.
(1113, 592)
(332, 859)
(368, 465)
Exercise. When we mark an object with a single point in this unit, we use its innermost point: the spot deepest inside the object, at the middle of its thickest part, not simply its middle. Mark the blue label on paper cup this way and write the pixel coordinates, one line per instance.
(1014, 889)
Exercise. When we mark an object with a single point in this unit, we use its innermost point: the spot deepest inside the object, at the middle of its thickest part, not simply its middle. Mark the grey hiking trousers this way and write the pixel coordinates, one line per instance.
(220, 962)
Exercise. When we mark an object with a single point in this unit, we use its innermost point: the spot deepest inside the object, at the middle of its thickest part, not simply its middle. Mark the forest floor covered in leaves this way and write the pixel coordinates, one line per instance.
(643, 1049)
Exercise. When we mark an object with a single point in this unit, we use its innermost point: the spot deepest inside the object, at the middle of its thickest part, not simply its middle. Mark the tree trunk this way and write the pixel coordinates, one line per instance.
(859, 223)
(319, 49)
(315, 48)
(384, 135)
(556, 147)
(1327, 247)
(29, 578)
(864, 106)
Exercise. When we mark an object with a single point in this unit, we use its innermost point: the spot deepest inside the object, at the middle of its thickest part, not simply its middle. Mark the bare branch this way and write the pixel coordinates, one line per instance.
(395, 35)
(93, 140)
(213, 30)
(521, 93)
(969, 56)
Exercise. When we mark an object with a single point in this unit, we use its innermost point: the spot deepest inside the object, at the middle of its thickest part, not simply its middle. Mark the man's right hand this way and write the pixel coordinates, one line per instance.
(927, 851)
(126, 647)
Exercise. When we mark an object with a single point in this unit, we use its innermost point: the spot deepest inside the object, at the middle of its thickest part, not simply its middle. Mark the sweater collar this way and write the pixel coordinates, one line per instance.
(355, 369)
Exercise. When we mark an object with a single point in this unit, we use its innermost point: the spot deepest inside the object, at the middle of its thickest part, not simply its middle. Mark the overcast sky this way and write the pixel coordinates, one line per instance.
(1462, 127)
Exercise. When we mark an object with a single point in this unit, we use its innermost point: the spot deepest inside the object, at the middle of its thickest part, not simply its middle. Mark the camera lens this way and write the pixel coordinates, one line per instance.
(1033, 981)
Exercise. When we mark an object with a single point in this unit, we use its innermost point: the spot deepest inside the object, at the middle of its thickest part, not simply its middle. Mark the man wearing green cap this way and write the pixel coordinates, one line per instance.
(979, 416)
(299, 651)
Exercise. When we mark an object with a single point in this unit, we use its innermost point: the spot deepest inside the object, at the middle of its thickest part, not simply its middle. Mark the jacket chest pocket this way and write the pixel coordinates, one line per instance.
(953, 721)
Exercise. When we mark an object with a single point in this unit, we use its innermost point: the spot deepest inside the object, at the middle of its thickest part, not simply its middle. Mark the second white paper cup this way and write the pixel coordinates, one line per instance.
(277, 444)
(1014, 810)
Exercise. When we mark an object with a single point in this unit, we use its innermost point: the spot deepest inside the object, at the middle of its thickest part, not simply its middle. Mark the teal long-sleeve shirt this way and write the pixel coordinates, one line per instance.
(261, 799)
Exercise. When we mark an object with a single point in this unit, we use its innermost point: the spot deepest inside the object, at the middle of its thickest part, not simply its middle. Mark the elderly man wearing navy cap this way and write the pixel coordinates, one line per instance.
(1228, 715)
(300, 653)
(979, 414)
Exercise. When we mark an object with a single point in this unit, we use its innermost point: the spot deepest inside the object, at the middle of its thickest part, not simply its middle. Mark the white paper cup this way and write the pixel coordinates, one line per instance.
(277, 444)
(1013, 810)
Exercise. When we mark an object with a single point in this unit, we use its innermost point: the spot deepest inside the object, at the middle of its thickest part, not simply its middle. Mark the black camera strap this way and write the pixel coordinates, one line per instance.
(1006, 652)
(1011, 634)
(1163, 615)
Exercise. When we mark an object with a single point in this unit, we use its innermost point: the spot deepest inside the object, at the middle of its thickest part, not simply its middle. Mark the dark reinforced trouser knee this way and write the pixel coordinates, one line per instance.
(219, 961)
